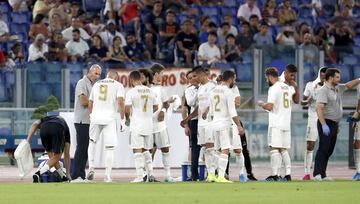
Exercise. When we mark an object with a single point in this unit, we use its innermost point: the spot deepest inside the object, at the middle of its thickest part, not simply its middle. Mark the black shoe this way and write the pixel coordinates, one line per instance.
(36, 177)
(151, 178)
(65, 179)
(251, 177)
(272, 178)
(145, 178)
(287, 178)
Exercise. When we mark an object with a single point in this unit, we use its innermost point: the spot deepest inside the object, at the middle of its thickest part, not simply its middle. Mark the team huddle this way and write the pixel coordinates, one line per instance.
(213, 123)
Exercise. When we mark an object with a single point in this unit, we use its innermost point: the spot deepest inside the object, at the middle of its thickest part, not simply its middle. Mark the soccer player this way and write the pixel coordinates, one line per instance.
(140, 104)
(160, 135)
(329, 111)
(356, 127)
(309, 99)
(280, 98)
(222, 107)
(105, 102)
(55, 137)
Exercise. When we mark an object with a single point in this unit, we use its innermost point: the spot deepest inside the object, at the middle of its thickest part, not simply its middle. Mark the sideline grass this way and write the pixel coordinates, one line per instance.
(170, 193)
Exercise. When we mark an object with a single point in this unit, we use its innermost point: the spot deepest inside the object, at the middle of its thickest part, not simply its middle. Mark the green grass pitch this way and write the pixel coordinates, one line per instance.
(339, 192)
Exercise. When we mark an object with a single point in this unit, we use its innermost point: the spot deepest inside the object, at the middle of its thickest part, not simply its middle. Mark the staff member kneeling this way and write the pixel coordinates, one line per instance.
(55, 137)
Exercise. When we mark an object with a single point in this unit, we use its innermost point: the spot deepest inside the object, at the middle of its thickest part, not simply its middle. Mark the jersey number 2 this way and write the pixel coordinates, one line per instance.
(217, 102)
(103, 92)
(145, 98)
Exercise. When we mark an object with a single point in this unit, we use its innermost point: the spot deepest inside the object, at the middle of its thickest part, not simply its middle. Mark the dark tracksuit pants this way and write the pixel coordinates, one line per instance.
(195, 149)
(81, 153)
(326, 147)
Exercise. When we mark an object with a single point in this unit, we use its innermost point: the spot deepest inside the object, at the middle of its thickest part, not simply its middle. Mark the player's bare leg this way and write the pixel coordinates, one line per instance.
(53, 160)
(210, 162)
(241, 163)
(308, 159)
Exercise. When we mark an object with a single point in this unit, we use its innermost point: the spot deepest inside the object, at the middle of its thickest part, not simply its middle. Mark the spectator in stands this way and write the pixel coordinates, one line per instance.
(343, 39)
(254, 24)
(38, 26)
(16, 53)
(322, 39)
(187, 43)
(109, 33)
(204, 23)
(248, 9)
(203, 36)
(134, 50)
(287, 15)
(116, 52)
(150, 46)
(154, 20)
(38, 50)
(55, 24)
(177, 6)
(270, 13)
(77, 48)
(98, 51)
(75, 24)
(95, 27)
(208, 52)
(111, 6)
(302, 30)
(4, 29)
(129, 13)
(230, 52)
(343, 18)
(168, 31)
(263, 37)
(245, 39)
(75, 10)
(57, 49)
(286, 37)
(233, 29)
(19, 5)
(224, 32)
(311, 52)
(42, 7)
(341, 4)
(7, 63)
(63, 11)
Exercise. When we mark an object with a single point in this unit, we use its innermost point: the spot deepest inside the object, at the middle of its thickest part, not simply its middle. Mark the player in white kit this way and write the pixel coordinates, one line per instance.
(105, 101)
(280, 98)
(356, 126)
(309, 99)
(222, 107)
(140, 104)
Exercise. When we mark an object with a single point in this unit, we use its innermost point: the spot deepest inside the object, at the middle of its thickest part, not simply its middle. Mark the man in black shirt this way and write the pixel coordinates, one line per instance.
(154, 20)
(187, 43)
(55, 137)
(134, 50)
(168, 31)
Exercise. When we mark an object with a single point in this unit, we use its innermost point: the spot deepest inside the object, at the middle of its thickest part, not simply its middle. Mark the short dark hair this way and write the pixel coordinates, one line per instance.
(169, 11)
(253, 16)
(228, 74)
(212, 25)
(76, 31)
(38, 18)
(188, 73)
(225, 24)
(331, 73)
(130, 34)
(213, 34)
(187, 21)
(199, 69)
(148, 74)
(245, 23)
(135, 75)
(291, 68)
(272, 71)
(156, 68)
(230, 36)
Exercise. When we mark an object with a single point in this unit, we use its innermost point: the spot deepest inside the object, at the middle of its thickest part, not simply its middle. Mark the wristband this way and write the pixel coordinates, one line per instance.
(163, 110)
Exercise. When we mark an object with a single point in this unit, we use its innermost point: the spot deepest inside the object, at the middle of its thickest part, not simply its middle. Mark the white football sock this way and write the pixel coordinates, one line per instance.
(148, 163)
(209, 159)
(60, 172)
(287, 161)
(109, 160)
(240, 162)
(44, 168)
(166, 163)
(139, 164)
(222, 163)
(308, 161)
(91, 155)
(202, 153)
(274, 162)
(357, 159)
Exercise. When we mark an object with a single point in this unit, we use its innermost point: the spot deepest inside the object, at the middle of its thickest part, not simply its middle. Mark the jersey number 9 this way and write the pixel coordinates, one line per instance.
(103, 92)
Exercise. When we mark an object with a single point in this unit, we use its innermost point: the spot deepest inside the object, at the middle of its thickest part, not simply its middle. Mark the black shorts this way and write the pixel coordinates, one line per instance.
(53, 137)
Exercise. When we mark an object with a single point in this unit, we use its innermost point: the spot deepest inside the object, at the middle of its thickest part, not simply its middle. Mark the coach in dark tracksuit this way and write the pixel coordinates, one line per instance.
(329, 111)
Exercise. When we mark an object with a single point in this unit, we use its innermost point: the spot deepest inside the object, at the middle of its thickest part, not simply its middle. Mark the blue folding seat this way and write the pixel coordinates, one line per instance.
(229, 10)
(209, 10)
(244, 72)
(93, 6)
(305, 12)
(231, 3)
(350, 60)
(223, 66)
(56, 90)
(21, 17)
(5, 7)
(356, 71)
(346, 72)
(357, 40)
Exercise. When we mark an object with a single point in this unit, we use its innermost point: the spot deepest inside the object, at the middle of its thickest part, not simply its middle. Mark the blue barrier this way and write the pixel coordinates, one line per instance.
(9, 143)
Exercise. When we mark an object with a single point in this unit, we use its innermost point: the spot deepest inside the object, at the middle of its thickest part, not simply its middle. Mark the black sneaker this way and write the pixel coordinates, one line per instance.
(151, 178)
(287, 178)
(145, 178)
(65, 179)
(251, 177)
(36, 177)
(272, 178)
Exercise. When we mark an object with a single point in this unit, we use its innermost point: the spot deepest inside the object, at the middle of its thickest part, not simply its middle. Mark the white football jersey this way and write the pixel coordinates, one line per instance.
(161, 98)
(358, 92)
(222, 106)
(104, 95)
(311, 92)
(141, 99)
(203, 101)
(280, 94)
(235, 91)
